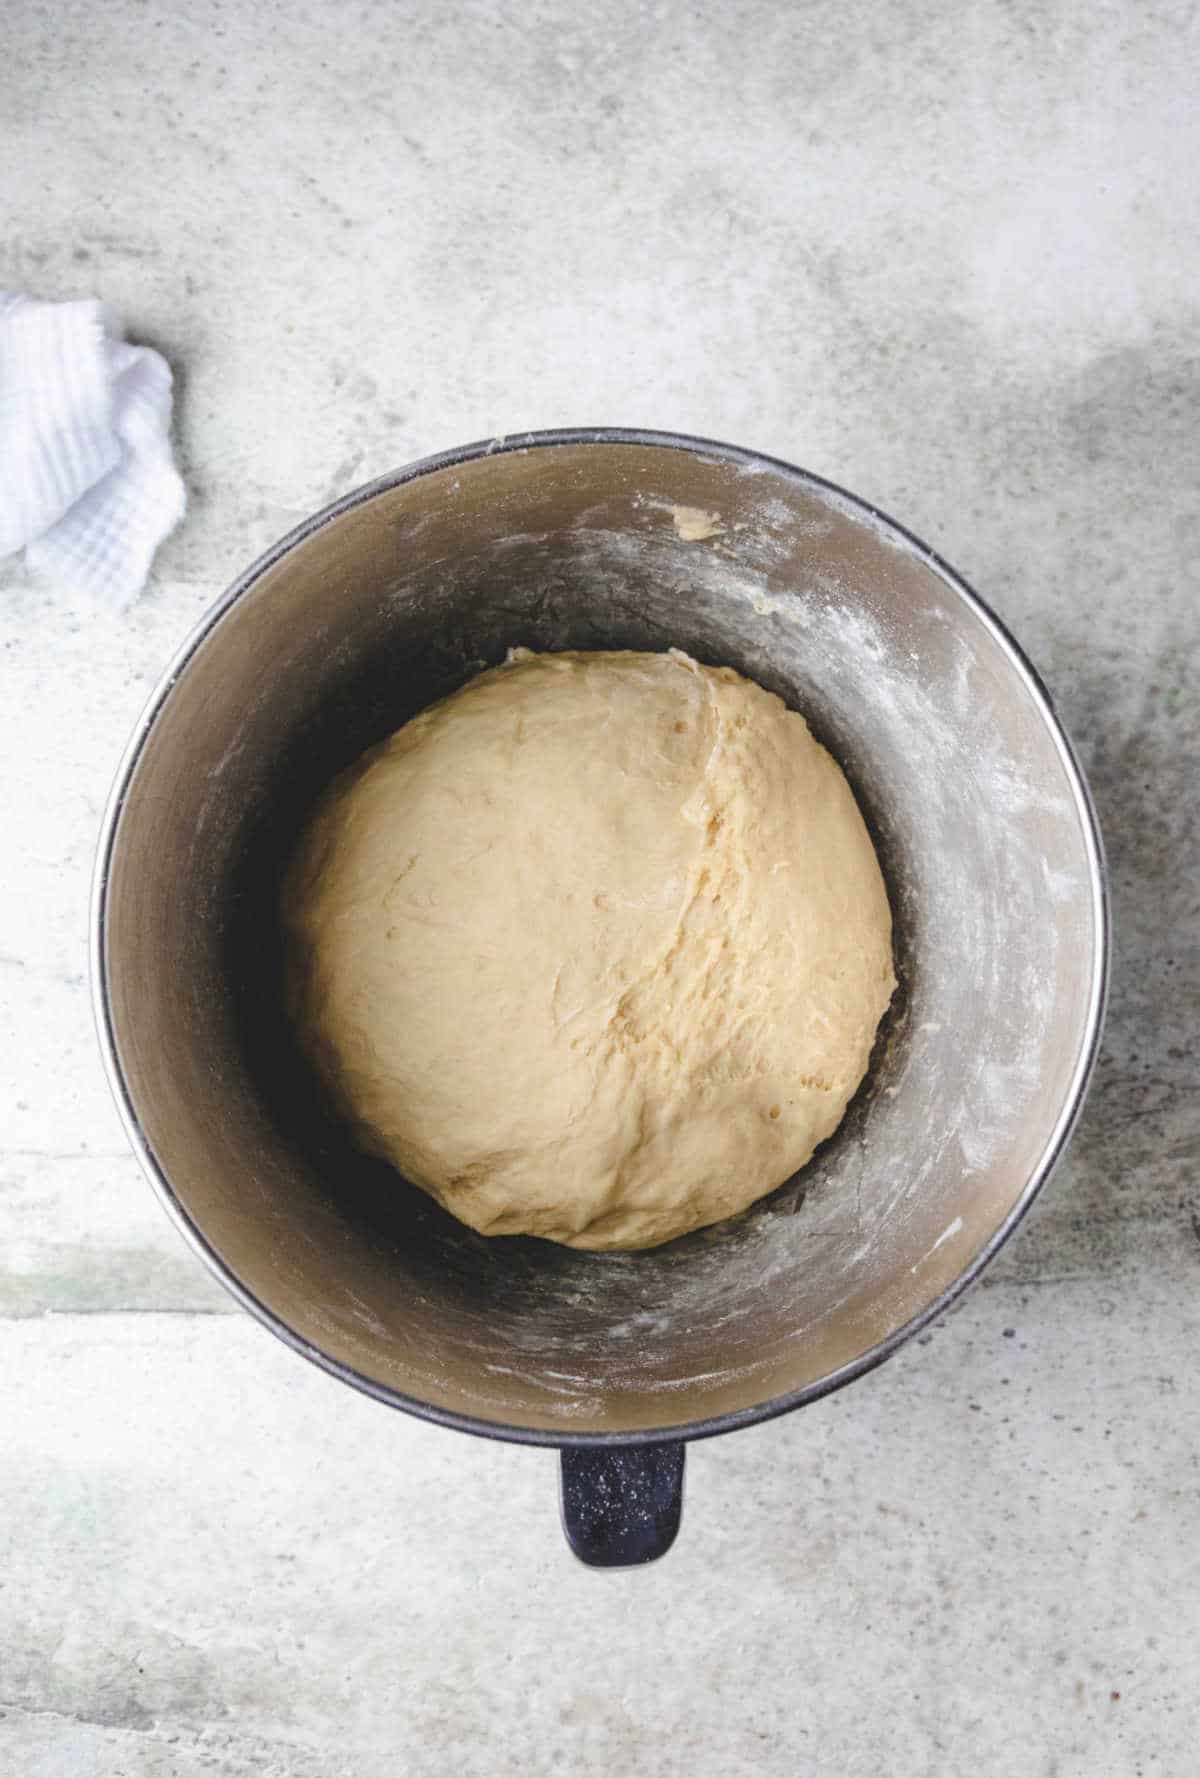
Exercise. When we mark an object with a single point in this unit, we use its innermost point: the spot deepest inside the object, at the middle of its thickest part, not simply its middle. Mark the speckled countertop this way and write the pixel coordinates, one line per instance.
(945, 256)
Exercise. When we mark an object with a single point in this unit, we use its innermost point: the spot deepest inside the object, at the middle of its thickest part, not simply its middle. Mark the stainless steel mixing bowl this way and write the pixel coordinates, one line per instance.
(605, 539)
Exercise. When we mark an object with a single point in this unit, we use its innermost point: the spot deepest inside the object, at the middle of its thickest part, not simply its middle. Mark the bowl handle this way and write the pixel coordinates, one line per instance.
(621, 1503)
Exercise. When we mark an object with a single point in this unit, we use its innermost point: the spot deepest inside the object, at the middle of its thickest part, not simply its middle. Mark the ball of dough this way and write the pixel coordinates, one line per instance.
(595, 949)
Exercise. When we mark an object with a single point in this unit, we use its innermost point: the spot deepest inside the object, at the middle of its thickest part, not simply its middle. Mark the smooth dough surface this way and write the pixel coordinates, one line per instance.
(595, 949)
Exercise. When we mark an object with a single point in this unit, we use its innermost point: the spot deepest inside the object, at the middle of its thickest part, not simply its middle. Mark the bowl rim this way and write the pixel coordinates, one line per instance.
(774, 1406)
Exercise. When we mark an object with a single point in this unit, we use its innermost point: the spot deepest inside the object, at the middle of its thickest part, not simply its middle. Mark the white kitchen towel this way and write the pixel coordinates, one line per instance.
(88, 485)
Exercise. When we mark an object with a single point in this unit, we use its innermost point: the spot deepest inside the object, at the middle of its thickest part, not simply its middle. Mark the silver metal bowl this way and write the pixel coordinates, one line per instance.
(605, 539)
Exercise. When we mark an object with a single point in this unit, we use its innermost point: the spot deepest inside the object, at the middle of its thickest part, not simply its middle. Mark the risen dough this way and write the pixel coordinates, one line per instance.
(595, 949)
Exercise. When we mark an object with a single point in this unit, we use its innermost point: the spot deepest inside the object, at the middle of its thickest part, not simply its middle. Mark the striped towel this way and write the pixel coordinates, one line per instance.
(88, 485)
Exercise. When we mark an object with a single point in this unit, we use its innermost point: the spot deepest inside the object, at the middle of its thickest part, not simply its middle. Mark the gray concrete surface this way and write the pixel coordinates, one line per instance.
(947, 256)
